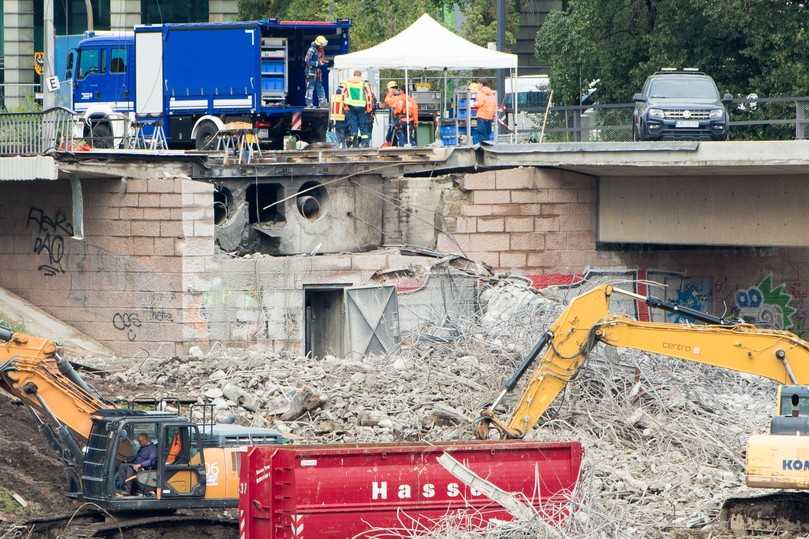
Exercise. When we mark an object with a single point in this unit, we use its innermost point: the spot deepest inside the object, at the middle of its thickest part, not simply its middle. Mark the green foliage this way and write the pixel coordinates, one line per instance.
(745, 45)
(372, 22)
(480, 26)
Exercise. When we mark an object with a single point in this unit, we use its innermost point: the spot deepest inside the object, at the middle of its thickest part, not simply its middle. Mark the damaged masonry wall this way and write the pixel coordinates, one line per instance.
(298, 215)
(124, 284)
(148, 279)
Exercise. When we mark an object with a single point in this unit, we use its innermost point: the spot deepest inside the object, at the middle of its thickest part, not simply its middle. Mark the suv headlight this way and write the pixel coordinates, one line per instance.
(657, 114)
(717, 114)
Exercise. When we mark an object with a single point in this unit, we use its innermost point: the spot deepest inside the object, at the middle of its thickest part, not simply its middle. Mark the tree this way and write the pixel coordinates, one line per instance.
(745, 45)
(372, 22)
(480, 26)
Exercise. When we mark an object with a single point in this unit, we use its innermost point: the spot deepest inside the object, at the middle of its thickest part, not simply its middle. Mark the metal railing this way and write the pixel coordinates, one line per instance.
(36, 133)
(774, 118)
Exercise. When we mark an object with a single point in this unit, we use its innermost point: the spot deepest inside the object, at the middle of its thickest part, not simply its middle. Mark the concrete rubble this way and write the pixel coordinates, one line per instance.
(663, 439)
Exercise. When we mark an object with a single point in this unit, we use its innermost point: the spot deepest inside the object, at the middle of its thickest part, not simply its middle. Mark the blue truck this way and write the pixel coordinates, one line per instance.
(191, 79)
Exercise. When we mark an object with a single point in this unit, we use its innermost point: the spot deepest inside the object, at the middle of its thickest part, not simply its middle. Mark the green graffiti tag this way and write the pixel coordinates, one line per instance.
(766, 305)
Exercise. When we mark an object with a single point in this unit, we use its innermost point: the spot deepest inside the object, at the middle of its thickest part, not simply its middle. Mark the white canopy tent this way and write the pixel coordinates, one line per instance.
(427, 45)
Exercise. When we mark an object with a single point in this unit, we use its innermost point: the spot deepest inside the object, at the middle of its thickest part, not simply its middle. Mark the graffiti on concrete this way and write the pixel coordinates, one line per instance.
(49, 239)
(766, 305)
(127, 322)
(694, 292)
(154, 314)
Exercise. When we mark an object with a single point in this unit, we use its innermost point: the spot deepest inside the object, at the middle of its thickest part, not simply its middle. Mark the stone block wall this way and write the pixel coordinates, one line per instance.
(541, 223)
(528, 219)
(124, 283)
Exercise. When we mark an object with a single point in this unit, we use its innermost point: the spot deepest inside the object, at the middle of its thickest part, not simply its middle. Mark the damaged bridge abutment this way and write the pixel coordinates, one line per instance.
(172, 258)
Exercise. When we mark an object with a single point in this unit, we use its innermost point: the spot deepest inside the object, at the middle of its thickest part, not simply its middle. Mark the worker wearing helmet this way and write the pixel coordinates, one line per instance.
(392, 102)
(314, 61)
(405, 114)
(358, 97)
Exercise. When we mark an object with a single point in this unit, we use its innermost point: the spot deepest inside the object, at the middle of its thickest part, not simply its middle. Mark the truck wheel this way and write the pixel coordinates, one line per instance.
(205, 133)
(101, 135)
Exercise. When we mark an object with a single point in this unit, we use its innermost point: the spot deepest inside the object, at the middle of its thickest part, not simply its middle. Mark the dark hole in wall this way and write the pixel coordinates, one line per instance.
(312, 200)
(222, 204)
(261, 195)
(325, 322)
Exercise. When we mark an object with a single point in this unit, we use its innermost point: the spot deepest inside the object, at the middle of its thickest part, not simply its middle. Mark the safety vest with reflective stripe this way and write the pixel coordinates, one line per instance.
(354, 95)
(338, 107)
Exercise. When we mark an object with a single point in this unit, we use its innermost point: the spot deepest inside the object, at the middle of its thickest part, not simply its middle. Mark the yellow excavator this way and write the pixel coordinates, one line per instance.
(197, 463)
(779, 459)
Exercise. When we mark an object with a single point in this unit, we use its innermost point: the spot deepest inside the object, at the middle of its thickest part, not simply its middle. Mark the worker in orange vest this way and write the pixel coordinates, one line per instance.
(337, 111)
(486, 107)
(405, 113)
(408, 117)
(392, 101)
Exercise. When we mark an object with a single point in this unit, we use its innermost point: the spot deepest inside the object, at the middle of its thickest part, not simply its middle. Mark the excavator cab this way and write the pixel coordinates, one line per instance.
(177, 478)
(792, 400)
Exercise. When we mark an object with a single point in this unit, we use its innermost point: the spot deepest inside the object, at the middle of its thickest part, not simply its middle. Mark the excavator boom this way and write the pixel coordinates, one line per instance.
(32, 370)
(778, 355)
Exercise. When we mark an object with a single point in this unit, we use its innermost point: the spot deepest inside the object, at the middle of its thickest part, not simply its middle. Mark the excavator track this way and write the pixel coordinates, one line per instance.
(95, 523)
(778, 512)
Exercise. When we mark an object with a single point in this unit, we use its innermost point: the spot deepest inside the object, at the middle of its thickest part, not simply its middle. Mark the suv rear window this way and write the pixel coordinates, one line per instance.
(683, 87)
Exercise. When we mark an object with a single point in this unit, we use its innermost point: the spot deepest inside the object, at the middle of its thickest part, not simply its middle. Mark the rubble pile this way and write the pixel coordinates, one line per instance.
(663, 439)
(417, 395)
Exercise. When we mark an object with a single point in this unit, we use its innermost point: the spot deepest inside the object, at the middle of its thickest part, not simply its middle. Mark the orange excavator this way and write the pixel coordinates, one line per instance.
(196, 465)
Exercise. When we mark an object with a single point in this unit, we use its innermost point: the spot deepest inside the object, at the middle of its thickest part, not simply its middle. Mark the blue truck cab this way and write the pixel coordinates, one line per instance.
(192, 79)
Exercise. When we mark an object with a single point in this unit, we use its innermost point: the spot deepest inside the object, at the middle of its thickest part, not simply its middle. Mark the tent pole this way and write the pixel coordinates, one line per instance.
(444, 97)
(407, 109)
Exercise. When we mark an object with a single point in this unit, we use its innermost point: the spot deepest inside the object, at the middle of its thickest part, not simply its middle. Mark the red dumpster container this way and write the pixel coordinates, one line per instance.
(340, 491)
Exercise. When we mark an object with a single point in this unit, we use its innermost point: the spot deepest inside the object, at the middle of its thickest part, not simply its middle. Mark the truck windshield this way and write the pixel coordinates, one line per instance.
(686, 87)
(90, 61)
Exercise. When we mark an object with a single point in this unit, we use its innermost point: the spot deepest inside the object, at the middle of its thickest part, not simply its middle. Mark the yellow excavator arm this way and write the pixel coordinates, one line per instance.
(778, 355)
(32, 370)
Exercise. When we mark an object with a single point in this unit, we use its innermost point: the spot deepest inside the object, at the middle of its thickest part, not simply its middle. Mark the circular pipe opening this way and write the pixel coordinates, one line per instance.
(312, 200)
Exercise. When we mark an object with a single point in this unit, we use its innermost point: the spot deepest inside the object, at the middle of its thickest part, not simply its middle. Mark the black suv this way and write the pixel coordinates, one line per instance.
(680, 105)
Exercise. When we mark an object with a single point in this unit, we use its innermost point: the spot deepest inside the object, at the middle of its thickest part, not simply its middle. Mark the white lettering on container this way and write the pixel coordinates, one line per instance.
(379, 491)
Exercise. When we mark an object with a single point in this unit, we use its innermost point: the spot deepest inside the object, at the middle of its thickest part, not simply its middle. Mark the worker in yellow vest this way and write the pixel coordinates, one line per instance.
(357, 99)
(337, 111)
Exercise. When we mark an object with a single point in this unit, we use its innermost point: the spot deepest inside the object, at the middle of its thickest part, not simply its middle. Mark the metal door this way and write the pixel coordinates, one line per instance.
(87, 74)
(181, 462)
(149, 73)
(372, 314)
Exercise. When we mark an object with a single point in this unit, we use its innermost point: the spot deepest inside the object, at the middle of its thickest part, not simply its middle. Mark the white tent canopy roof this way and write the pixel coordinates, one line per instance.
(426, 44)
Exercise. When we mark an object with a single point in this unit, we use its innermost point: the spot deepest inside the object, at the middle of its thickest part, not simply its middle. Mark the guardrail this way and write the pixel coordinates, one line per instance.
(36, 133)
(772, 118)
